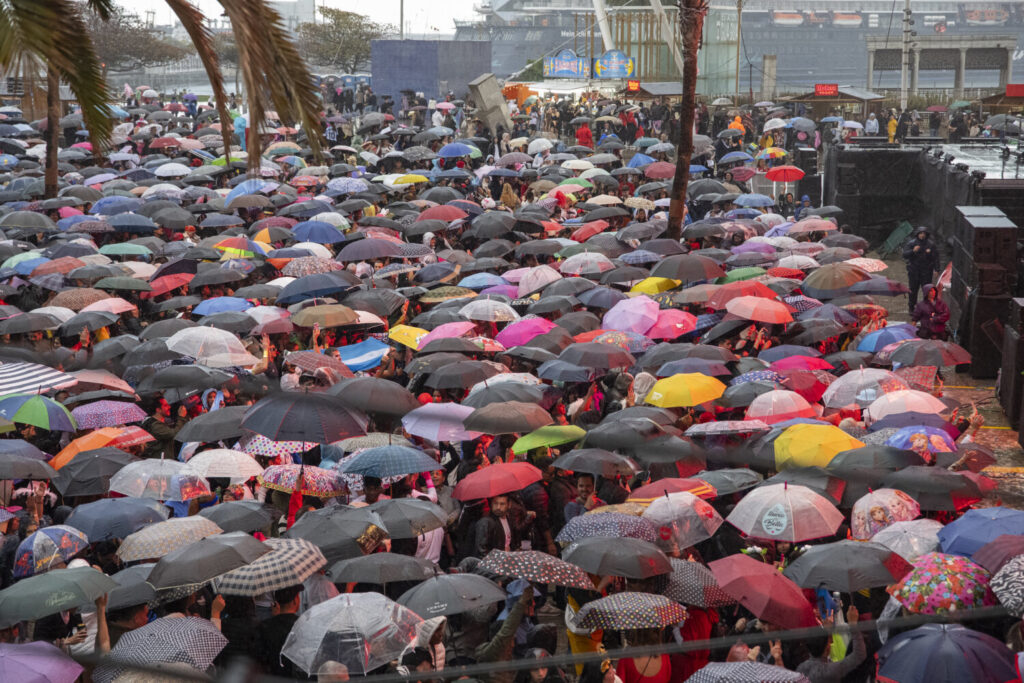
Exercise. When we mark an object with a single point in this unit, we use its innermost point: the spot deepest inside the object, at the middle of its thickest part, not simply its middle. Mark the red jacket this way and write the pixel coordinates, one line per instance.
(584, 136)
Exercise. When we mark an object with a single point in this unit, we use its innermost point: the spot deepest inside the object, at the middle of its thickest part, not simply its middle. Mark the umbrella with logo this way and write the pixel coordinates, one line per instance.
(191, 642)
(763, 590)
(45, 594)
(48, 548)
(536, 567)
(940, 583)
(362, 631)
(447, 594)
(290, 562)
(629, 611)
(785, 513)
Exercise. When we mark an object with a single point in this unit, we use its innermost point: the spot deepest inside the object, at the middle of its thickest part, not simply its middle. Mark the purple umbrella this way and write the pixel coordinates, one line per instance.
(37, 661)
(632, 315)
(107, 414)
(754, 247)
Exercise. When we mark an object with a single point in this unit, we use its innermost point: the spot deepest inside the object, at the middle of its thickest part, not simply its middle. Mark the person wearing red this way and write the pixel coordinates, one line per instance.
(584, 136)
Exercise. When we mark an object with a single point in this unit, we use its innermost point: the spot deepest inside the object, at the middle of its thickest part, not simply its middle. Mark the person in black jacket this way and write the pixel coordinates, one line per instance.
(922, 257)
(494, 531)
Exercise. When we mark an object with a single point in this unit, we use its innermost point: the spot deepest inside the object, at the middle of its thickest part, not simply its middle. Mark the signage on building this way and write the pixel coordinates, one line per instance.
(614, 64)
(633, 85)
(565, 64)
(826, 89)
(1015, 89)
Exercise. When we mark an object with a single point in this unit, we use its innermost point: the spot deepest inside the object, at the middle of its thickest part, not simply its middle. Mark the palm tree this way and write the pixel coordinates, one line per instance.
(52, 35)
(691, 27)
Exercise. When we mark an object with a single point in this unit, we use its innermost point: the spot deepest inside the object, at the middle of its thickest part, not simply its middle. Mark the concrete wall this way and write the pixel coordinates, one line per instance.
(427, 65)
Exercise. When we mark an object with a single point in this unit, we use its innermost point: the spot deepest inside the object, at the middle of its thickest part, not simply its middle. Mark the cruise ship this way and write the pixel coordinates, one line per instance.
(814, 40)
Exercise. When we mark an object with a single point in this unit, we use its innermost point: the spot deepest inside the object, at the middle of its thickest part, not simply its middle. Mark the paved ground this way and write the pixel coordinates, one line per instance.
(996, 434)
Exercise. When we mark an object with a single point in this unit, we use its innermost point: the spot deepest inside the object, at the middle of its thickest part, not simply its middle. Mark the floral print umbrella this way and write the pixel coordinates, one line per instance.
(629, 611)
(107, 414)
(941, 583)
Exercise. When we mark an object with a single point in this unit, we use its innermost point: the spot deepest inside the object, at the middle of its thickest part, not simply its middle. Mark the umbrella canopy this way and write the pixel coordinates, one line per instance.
(1008, 586)
(880, 508)
(683, 520)
(944, 652)
(630, 611)
(48, 548)
(975, 528)
(810, 445)
(692, 583)
(496, 480)
(940, 583)
(289, 562)
(158, 479)
(190, 642)
(37, 661)
(382, 568)
(507, 418)
(628, 557)
(785, 513)
(156, 540)
(241, 515)
(61, 589)
(299, 416)
(847, 566)
(536, 567)
(113, 518)
(684, 390)
(745, 672)
(910, 540)
(447, 594)
(363, 631)
(390, 461)
(604, 523)
(763, 590)
(206, 559)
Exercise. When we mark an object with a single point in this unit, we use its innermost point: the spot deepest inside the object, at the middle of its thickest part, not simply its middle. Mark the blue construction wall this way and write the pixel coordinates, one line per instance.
(426, 65)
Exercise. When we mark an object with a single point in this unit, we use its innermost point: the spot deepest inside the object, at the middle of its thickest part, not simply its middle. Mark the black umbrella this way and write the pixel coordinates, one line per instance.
(409, 517)
(432, 362)
(506, 391)
(17, 466)
(597, 356)
(340, 532)
(688, 268)
(847, 567)
(629, 557)
(241, 515)
(596, 461)
(447, 594)
(450, 345)
(819, 480)
(461, 375)
(299, 416)
(563, 371)
(88, 473)
(729, 481)
(375, 396)
(382, 568)
(162, 329)
(206, 559)
(132, 588)
(934, 488)
(190, 377)
(219, 425)
(113, 518)
(509, 417)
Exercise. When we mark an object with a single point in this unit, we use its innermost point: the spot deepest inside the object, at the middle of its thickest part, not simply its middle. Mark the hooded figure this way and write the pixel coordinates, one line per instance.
(805, 204)
(430, 637)
(922, 257)
(931, 315)
(584, 136)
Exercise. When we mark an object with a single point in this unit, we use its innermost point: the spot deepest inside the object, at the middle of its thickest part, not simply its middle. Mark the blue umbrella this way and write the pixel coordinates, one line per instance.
(639, 160)
(347, 185)
(733, 157)
(65, 224)
(640, 256)
(27, 266)
(743, 213)
(8, 160)
(390, 461)
(455, 149)
(697, 168)
(563, 371)
(706, 321)
(50, 547)
(132, 223)
(320, 232)
(975, 528)
(117, 111)
(312, 286)
(221, 304)
(753, 200)
(875, 341)
(503, 173)
(457, 173)
(945, 652)
(482, 281)
(938, 440)
(112, 518)
(108, 206)
(250, 186)
(832, 119)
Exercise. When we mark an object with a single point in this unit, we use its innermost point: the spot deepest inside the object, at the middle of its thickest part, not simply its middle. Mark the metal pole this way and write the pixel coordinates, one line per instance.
(401, 19)
(905, 55)
(739, 38)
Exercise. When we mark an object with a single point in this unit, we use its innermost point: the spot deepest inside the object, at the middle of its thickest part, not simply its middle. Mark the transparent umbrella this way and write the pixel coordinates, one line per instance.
(159, 479)
(363, 631)
(211, 346)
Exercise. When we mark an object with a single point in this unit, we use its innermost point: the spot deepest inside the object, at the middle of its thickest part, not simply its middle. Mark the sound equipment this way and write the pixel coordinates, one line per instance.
(806, 159)
(1004, 195)
(988, 315)
(923, 140)
(810, 185)
(872, 141)
(1011, 382)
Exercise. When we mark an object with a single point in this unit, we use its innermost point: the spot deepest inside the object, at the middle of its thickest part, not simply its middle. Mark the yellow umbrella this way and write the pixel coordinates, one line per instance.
(684, 390)
(409, 179)
(407, 335)
(811, 445)
(654, 285)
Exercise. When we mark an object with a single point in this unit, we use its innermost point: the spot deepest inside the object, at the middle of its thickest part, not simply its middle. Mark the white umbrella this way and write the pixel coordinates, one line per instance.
(537, 277)
(577, 165)
(211, 346)
(539, 145)
(224, 462)
(904, 401)
(853, 124)
(862, 386)
(488, 310)
(172, 170)
(158, 479)
(774, 124)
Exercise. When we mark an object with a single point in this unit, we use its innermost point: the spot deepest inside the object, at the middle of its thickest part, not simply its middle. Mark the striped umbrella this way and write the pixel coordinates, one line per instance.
(292, 561)
(107, 414)
(31, 378)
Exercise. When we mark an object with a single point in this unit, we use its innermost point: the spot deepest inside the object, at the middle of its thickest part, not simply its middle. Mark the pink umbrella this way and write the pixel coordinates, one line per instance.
(66, 211)
(801, 363)
(638, 315)
(672, 323)
(446, 331)
(115, 305)
(536, 278)
(107, 414)
(515, 275)
(779, 405)
(82, 145)
(753, 247)
(511, 291)
(522, 331)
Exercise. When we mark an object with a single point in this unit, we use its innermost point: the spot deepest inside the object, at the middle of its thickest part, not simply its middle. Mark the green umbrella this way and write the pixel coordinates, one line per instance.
(124, 249)
(123, 283)
(18, 258)
(551, 435)
(39, 411)
(737, 274)
(61, 589)
(582, 182)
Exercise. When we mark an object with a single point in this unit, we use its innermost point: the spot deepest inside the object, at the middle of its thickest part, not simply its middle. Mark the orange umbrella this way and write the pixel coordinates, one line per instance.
(115, 437)
(759, 309)
(733, 290)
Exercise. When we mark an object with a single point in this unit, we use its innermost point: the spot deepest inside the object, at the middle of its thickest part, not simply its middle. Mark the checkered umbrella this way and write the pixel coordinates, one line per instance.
(107, 414)
(189, 640)
(607, 525)
(156, 540)
(291, 562)
(745, 672)
(629, 610)
(692, 583)
(537, 567)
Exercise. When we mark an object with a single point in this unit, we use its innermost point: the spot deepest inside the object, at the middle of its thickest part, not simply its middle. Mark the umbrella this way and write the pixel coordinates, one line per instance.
(48, 548)
(113, 518)
(409, 517)
(158, 479)
(785, 513)
(941, 583)
(683, 520)
(241, 515)
(935, 488)
(745, 672)
(39, 411)
(507, 418)
(340, 532)
(107, 414)
(975, 528)
(778, 406)
(61, 589)
(206, 559)
(862, 387)
(880, 508)
(945, 652)
(290, 562)
(15, 466)
(683, 390)
(31, 378)
(1000, 550)
(224, 463)
(219, 425)
(628, 557)
(596, 461)
(314, 481)
(439, 422)
(910, 540)
(630, 611)
(847, 566)
(461, 374)
(1008, 586)
(604, 524)
(904, 401)
(382, 568)
(362, 631)
(390, 461)
(88, 473)
(156, 540)
(810, 445)
(536, 567)
(692, 583)
(496, 480)
(37, 662)
(447, 594)
(729, 481)
(763, 590)
(295, 416)
(190, 642)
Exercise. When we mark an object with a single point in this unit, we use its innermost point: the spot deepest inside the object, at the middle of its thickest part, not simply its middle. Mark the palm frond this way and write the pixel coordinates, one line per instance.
(273, 72)
(104, 9)
(193, 21)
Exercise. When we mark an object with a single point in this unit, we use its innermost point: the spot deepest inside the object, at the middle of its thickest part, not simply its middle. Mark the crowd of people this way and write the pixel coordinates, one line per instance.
(457, 397)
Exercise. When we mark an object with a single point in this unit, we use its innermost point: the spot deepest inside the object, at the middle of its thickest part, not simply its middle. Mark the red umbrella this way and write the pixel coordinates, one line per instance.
(760, 309)
(443, 213)
(733, 290)
(660, 169)
(811, 384)
(812, 225)
(784, 174)
(763, 590)
(588, 230)
(167, 283)
(496, 480)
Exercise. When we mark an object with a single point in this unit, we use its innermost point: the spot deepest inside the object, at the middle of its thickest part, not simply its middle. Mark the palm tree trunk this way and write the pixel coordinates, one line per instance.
(691, 28)
(52, 130)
